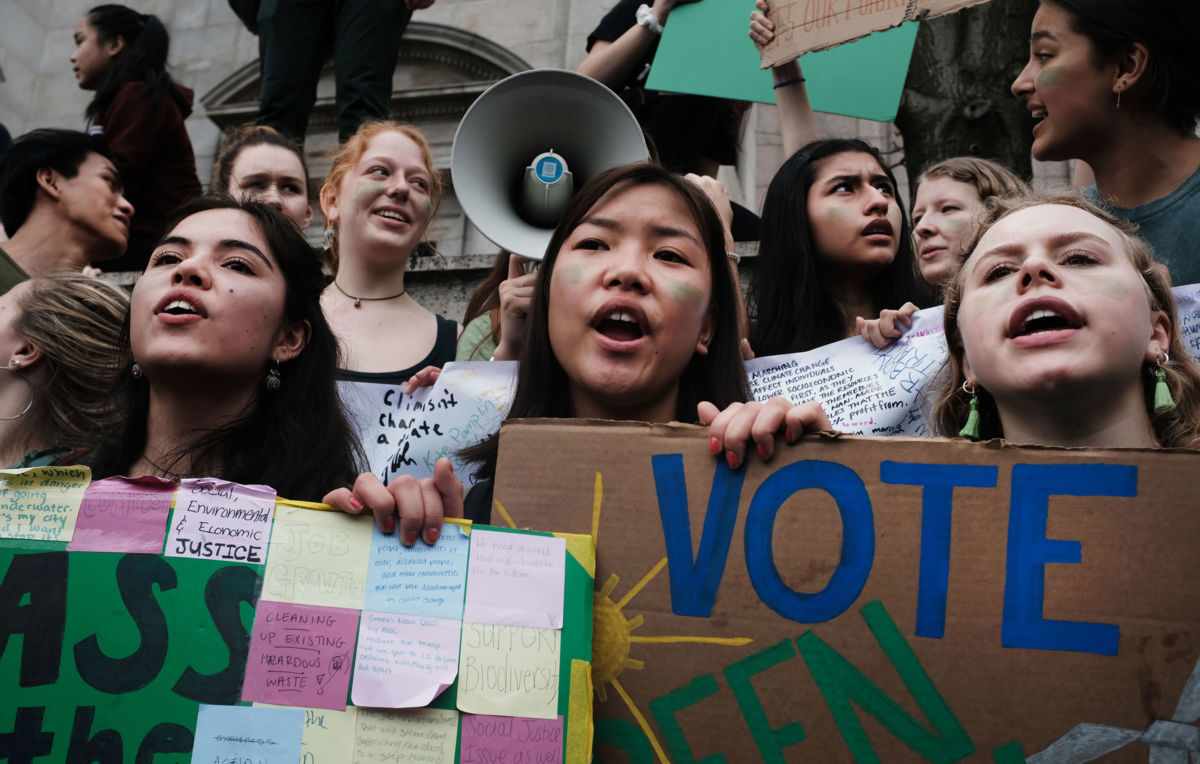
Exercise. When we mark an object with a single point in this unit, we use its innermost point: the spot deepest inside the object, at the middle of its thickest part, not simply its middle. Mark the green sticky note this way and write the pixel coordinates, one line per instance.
(706, 50)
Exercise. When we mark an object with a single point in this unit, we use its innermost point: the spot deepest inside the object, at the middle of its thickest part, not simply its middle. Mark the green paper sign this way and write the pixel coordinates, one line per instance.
(706, 50)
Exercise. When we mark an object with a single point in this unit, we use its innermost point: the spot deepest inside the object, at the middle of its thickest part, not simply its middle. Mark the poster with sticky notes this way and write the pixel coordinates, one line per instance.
(318, 558)
(300, 655)
(216, 621)
(515, 579)
(121, 514)
(218, 520)
(421, 579)
(404, 661)
(41, 503)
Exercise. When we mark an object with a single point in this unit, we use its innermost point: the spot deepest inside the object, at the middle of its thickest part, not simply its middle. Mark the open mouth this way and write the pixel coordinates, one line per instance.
(1042, 319)
(180, 308)
(619, 325)
(393, 215)
(880, 227)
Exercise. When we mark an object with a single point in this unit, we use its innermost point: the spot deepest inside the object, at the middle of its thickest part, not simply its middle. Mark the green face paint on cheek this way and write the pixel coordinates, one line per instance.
(1112, 288)
(686, 294)
(1051, 75)
(368, 189)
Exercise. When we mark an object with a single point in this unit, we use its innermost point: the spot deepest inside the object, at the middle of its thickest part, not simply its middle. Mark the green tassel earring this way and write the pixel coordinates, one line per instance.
(971, 429)
(1162, 393)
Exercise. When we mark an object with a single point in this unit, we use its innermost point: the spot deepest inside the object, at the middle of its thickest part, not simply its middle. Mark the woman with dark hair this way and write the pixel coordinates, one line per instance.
(139, 110)
(836, 245)
(229, 365)
(1113, 82)
(634, 317)
(260, 162)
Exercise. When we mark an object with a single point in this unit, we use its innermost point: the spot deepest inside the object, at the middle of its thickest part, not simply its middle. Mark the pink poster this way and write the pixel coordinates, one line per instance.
(300, 655)
(123, 515)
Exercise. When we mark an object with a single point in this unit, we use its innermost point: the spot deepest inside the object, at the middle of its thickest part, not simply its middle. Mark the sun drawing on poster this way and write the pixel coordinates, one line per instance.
(612, 632)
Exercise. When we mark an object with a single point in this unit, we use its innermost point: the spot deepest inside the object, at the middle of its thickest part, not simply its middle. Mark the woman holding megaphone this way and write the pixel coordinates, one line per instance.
(379, 200)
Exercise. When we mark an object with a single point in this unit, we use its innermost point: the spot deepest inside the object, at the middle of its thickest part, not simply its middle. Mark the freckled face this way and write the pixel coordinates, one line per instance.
(853, 213)
(1070, 94)
(944, 218)
(384, 203)
(210, 301)
(275, 176)
(629, 303)
(1052, 302)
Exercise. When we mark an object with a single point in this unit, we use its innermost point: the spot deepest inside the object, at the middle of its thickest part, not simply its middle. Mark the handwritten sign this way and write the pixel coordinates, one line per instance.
(123, 515)
(248, 734)
(300, 655)
(419, 736)
(508, 739)
(318, 558)
(515, 579)
(1187, 306)
(509, 670)
(41, 503)
(218, 520)
(328, 735)
(406, 434)
(864, 390)
(421, 579)
(805, 25)
(404, 661)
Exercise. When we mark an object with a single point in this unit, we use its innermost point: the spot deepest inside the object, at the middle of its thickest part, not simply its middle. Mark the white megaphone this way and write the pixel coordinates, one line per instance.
(527, 143)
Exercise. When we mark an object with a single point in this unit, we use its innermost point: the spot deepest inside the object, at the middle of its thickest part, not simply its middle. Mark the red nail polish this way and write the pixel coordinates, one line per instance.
(762, 453)
(790, 435)
(355, 503)
(731, 459)
(410, 538)
(389, 525)
(431, 536)
(714, 446)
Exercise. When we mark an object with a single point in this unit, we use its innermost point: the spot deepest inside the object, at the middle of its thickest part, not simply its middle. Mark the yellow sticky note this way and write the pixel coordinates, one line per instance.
(328, 735)
(317, 558)
(509, 670)
(41, 503)
(413, 736)
(579, 714)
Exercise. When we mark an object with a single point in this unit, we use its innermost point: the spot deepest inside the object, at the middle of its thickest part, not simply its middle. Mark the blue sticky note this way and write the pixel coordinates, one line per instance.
(248, 733)
(706, 50)
(421, 579)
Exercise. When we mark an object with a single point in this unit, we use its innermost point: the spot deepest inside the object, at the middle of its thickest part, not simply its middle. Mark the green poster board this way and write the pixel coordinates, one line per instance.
(705, 50)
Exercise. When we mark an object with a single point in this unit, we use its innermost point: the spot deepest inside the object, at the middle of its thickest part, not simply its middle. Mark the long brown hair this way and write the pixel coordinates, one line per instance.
(1177, 427)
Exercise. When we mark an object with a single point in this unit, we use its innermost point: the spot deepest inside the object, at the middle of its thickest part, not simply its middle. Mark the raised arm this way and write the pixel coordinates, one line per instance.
(797, 122)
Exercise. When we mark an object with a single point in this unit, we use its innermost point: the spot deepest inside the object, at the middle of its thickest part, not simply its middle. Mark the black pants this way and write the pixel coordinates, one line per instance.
(295, 38)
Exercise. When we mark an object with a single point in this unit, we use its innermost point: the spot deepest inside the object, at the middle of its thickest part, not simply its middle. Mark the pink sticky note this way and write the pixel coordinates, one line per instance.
(300, 655)
(404, 661)
(515, 579)
(123, 515)
(511, 738)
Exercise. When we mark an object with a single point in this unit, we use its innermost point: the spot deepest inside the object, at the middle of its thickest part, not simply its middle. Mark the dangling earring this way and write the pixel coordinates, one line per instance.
(14, 365)
(970, 430)
(329, 234)
(1163, 401)
(1119, 89)
(273, 382)
(136, 370)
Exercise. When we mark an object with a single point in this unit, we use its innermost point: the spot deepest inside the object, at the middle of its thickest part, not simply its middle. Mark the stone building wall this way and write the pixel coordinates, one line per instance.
(452, 51)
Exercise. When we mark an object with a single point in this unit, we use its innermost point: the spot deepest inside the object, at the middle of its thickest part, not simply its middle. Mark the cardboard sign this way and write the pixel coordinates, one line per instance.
(861, 599)
(804, 25)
